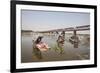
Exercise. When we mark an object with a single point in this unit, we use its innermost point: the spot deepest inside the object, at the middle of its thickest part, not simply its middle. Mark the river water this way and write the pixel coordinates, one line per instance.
(28, 54)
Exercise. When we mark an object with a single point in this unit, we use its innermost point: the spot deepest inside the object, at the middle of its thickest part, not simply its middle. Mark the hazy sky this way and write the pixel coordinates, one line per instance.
(46, 20)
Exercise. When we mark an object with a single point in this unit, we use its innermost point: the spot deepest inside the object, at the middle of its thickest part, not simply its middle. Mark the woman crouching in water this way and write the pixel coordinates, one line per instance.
(38, 47)
(41, 45)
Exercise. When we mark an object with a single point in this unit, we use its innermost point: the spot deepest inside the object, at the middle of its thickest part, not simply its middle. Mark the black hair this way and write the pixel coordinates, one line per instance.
(38, 40)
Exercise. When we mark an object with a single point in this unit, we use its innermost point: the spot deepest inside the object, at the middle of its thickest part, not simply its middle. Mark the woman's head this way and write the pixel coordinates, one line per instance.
(38, 39)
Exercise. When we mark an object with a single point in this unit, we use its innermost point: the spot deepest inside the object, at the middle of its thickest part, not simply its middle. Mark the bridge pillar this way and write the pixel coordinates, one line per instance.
(76, 39)
(74, 32)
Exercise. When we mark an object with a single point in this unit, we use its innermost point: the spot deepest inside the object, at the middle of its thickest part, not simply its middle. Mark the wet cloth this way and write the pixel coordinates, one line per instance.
(42, 46)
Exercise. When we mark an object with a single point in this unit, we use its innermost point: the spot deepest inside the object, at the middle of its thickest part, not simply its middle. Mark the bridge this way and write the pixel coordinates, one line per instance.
(77, 28)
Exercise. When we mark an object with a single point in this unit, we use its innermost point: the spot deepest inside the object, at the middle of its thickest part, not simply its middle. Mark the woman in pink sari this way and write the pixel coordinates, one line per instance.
(41, 45)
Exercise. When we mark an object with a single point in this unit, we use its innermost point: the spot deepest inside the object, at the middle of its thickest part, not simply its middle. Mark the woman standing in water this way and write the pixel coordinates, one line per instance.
(60, 42)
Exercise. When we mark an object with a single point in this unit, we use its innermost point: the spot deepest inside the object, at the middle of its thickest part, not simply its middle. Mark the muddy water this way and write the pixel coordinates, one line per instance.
(29, 54)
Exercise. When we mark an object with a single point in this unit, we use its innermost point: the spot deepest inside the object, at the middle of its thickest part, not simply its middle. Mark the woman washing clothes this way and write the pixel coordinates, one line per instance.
(41, 45)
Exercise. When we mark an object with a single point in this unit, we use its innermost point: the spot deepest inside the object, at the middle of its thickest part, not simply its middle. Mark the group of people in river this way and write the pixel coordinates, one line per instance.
(42, 46)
